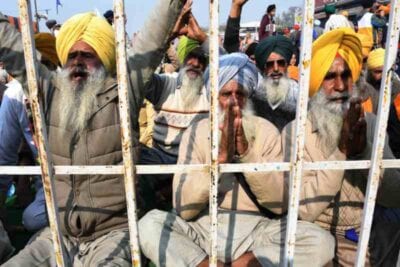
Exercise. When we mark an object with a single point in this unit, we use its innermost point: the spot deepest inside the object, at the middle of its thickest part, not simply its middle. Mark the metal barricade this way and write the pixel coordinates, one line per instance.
(129, 170)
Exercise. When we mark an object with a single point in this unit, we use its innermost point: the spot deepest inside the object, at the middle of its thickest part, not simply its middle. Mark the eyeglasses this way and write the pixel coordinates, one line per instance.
(270, 64)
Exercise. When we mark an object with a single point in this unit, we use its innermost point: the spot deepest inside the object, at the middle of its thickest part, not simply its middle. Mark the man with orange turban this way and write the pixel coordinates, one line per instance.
(81, 106)
(338, 129)
(15, 126)
(45, 43)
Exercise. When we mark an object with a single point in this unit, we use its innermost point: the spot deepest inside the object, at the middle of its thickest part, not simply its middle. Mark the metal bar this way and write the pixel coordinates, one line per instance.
(301, 118)
(44, 154)
(214, 171)
(380, 131)
(37, 16)
(126, 134)
(223, 168)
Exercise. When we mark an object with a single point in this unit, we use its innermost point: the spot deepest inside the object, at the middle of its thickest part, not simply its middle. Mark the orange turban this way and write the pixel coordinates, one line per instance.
(342, 41)
(46, 44)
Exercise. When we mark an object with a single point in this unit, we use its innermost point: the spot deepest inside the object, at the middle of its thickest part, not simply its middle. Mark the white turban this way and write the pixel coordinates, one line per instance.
(236, 67)
(337, 21)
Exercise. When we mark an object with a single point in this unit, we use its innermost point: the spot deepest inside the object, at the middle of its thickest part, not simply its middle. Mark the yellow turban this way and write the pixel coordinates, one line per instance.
(366, 44)
(376, 58)
(341, 41)
(45, 43)
(93, 30)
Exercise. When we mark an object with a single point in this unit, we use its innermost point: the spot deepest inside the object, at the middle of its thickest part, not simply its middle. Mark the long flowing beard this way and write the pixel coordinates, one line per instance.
(78, 100)
(328, 116)
(190, 88)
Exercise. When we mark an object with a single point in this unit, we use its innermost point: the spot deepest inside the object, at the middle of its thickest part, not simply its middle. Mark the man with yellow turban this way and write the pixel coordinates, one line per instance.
(375, 64)
(81, 106)
(276, 95)
(338, 129)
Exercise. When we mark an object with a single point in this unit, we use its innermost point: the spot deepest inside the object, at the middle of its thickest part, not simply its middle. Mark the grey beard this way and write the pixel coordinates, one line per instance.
(78, 100)
(275, 92)
(329, 118)
(190, 88)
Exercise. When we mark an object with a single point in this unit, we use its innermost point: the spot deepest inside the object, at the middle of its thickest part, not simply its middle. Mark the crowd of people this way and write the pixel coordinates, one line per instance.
(169, 100)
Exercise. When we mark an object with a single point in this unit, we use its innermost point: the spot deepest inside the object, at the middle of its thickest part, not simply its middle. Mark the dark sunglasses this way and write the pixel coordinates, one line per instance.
(270, 64)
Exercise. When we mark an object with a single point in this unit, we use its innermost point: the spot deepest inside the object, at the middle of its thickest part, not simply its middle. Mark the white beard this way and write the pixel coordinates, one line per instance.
(328, 116)
(190, 88)
(78, 100)
(276, 93)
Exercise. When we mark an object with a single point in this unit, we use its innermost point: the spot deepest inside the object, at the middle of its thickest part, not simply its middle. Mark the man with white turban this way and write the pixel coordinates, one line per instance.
(249, 231)
(337, 21)
(83, 125)
(338, 129)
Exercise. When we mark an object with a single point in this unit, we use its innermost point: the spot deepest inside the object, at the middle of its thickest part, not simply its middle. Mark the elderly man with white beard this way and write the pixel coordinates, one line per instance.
(178, 101)
(338, 129)
(83, 125)
(249, 229)
(276, 96)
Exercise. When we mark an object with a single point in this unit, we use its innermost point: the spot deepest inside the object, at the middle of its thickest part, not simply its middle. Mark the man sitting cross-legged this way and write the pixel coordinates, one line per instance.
(249, 231)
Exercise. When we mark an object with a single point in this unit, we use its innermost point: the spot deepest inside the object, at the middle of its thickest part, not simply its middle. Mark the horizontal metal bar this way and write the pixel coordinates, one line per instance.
(224, 168)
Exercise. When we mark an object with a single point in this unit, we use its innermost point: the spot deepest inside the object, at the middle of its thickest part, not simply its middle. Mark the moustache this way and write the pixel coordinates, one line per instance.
(78, 71)
(339, 96)
(198, 70)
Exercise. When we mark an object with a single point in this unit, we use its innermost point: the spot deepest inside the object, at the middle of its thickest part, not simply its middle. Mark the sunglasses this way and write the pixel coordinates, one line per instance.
(270, 64)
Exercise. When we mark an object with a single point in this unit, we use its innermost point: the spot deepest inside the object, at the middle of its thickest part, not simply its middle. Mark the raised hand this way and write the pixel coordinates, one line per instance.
(194, 31)
(353, 138)
(239, 2)
(180, 27)
(236, 8)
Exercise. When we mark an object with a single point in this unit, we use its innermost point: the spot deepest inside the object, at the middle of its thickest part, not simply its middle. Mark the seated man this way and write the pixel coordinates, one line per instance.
(82, 118)
(276, 96)
(338, 129)
(246, 234)
(178, 101)
(15, 126)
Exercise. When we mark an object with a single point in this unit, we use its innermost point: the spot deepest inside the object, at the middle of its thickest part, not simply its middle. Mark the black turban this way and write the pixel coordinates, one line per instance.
(278, 44)
(270, 8)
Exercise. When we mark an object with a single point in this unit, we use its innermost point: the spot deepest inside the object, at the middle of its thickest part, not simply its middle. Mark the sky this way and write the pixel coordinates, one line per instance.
(138, 10)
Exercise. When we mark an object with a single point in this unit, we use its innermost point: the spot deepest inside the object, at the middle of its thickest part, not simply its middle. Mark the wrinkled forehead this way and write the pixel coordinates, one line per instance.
(339, 65)
(232, 86)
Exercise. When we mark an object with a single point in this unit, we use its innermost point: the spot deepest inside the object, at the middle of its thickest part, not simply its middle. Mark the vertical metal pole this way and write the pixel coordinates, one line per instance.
(214, 168)
(380, 131)
(37, 16)
(126, 135)
(44, 154)
(301, 118)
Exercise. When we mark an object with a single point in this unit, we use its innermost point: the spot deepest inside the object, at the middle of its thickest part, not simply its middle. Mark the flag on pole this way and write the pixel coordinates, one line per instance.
(58, 3)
